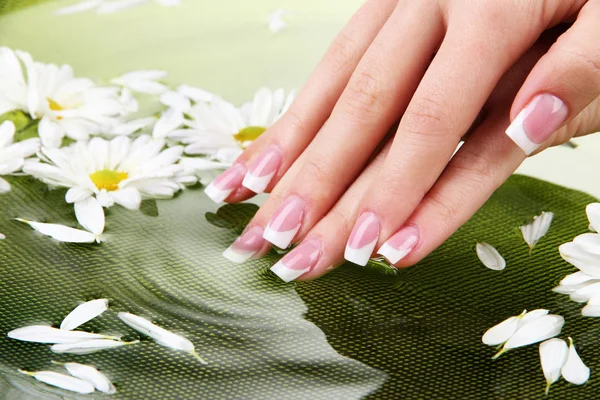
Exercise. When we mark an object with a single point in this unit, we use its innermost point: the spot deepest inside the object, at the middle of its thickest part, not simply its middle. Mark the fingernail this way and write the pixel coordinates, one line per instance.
(399, 245)
(219, 189)
(363, 239)
(285, 223)
(245, 246)
(298, 261)
(536, 122)
(263, 169)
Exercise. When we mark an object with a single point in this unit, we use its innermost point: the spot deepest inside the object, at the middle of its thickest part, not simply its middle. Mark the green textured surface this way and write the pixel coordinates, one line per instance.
(12, 5)
(413, 335)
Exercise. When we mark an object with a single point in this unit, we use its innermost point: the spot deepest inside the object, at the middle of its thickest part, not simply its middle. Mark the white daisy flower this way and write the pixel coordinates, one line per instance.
(276, 21)
(221, 131)
(13, 155)
(121, 171)
(69, 106)
(524, 329)
(142, 81)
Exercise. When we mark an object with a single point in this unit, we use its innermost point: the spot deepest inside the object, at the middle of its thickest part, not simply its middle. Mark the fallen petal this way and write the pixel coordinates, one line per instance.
(553, 354)
(48, 334)
(160, 335)
(62, 381)
(91, 375)
(90, 215)
(590, 311)
(500, 333)
(88, 346)
(490, 257)
(62, 233)
(532, 315)
(574, 371)
(84, 313)
(535, 331)
(534, 231)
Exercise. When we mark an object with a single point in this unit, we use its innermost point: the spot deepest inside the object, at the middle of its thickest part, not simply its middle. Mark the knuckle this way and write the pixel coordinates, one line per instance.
(475, 171)
(446, 210)
(587, 66)
(364, 93)
(341, 52)
(426, 116)
(340, 219)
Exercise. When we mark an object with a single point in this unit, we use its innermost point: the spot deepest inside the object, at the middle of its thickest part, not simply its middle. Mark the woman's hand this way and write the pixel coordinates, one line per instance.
(441, 68)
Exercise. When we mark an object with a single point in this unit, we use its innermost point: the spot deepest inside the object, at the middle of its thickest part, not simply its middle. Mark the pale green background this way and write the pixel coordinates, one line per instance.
(225, 47)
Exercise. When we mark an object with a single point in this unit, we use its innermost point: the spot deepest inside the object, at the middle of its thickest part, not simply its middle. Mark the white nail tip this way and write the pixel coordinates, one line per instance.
(237, 257)
(360, 256)
(391, 254)
(518, 135)
(257, 184)
(287, 274)
(280, 239)
(217, 195)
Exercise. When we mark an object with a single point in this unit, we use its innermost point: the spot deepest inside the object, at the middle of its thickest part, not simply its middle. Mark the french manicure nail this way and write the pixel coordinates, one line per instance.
(231, 179)
(363, 239)
(245, 246)
(298, 261)
(537, 121)
(263, 169)
(399, 245)
(285, 223)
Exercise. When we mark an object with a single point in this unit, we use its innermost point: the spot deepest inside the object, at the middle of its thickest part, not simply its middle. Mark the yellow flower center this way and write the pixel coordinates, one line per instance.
(249, 134)
(108, 179)
(54, 106)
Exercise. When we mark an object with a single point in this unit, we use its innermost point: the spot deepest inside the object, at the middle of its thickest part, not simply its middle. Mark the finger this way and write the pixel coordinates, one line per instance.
(563, 83)
(470, 62)
(323, 248)
(378, 90)
(291, 134)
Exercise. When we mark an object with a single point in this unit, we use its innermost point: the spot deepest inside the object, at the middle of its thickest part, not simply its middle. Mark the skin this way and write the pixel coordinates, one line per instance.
(432, 72)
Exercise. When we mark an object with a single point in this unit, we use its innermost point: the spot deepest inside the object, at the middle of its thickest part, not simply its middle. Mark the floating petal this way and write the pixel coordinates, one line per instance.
(90, 215)
(91, 375)
(84, 313)
(88, 346)
(502, 332)
(576, 279)
(535, 331)
(574, 371)
(48, 334)
(62, 381)
(195, 94)
(534, 231)
(160, 335)
(490, 257)
(553, 354)
(590, 311)
(62, 233)
(527, 317)
(2, 236)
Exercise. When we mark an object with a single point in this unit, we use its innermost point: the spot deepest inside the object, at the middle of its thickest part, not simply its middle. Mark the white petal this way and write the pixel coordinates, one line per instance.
(51, 134)
(62, 381)
(4, 186)
(87, 347)
(534, 231)
(500, 333)
(48, 334)
(276, 22)
(140, 75)
(176, 101)
(2, 236)
(130, 127)
(90, 215)
(589, 242)
(576, 279)
(110, 7)
(531, 316)
(91, 375)
(84, 5)
(490, 257)
(160, 335)
(11, 165)
(195, 94)
(169, 121)
(62, 233)
(586, 292)
(553, 354)
(541, 329)
(77, 193)
(593, 214)
(591, 311)
(129, 198)
(7, 133)
(148, 87)
(84, 313)
(574, 371)
(583, 260)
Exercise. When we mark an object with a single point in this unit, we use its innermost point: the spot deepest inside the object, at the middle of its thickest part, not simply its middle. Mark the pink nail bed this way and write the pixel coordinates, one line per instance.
(245, 246)
(231, 179)
(298, 261)
(537, 121)
(363, 239)
(263, 169)
(286, 222)
(398, 246)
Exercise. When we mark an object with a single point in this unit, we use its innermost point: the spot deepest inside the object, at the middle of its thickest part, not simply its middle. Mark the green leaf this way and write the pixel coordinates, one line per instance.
(19, 118)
